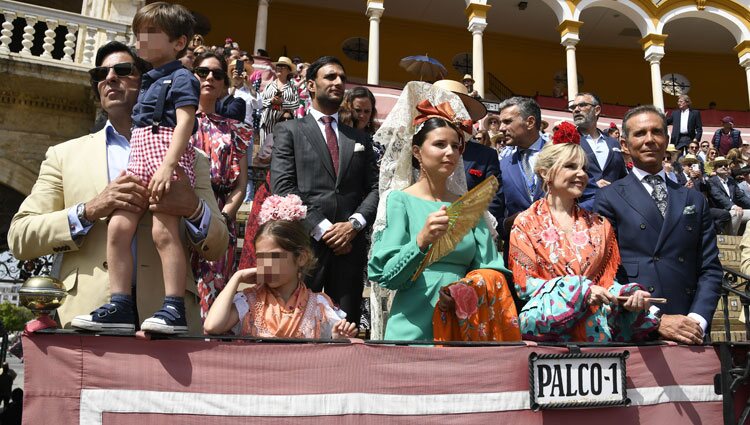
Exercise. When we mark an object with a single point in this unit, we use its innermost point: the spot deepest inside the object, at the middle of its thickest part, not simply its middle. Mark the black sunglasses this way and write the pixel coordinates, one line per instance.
(121, 70)
(203, 72)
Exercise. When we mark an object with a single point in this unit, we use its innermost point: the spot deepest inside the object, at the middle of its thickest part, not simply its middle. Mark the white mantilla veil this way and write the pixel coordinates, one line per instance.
(397, 173)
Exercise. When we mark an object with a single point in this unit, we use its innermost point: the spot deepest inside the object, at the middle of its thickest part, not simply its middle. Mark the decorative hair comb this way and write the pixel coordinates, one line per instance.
(289, 208)
(443, 111)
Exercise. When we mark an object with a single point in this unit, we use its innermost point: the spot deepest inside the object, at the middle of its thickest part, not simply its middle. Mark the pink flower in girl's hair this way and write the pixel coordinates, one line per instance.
(289, 208)
(465, 298)
(549, 235)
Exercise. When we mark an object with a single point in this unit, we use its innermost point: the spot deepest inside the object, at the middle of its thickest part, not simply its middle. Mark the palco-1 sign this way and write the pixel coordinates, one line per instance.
(577, 380)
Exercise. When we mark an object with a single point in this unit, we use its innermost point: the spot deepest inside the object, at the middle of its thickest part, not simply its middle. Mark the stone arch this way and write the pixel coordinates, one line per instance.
(560, 8)
(16, 176)
(732, 23)
(640, 17)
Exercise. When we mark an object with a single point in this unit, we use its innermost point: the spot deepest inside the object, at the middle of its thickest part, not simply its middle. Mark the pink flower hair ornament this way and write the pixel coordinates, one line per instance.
(288, 208)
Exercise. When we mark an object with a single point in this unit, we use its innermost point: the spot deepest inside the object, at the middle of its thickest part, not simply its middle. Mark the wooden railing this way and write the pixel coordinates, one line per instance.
(70, 39)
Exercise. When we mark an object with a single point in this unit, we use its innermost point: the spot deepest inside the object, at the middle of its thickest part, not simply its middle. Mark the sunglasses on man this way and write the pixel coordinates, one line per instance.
(203, 72)
(123, 69)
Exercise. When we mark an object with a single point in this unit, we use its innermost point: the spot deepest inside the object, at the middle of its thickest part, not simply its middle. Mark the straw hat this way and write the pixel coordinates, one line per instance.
(719, 161)
(283, 60)
(468, 77)
(475, 108)
(494, 138)
(486, 122)
(689, 159)
(671, 148)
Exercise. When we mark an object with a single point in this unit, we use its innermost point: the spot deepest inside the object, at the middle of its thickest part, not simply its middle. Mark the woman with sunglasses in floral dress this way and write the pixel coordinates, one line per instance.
(225, 141)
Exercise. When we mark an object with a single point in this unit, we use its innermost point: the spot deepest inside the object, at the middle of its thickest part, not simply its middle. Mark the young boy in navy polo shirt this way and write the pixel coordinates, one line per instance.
(164, 121)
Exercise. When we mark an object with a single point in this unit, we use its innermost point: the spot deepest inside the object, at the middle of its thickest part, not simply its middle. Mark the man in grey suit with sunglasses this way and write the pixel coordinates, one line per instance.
(332, 167)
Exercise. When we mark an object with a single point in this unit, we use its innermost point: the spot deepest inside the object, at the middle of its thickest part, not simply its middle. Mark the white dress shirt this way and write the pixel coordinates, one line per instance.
(684, 121)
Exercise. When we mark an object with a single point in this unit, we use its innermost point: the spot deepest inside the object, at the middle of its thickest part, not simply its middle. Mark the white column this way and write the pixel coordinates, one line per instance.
(569, 40)
(653, 55)
(261, 26)
(745, 63)
(477, 29)
(375, 10)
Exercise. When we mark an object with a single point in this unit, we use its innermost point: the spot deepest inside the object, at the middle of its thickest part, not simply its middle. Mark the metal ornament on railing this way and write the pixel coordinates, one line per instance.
(13, 270)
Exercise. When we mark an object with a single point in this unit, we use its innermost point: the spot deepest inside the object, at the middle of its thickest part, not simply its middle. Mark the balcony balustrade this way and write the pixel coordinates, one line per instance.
(41, 35)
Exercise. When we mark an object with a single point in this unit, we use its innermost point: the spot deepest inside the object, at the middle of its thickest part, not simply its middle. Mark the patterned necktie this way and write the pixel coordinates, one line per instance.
(659, 193)
(527, 171)
(332, 142)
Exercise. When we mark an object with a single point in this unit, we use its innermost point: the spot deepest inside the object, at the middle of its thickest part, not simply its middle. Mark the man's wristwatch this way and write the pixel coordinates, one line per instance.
(81, 213)
(355, 224)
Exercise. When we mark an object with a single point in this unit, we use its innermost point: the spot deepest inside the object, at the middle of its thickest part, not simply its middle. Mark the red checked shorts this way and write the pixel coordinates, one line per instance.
(147, 152)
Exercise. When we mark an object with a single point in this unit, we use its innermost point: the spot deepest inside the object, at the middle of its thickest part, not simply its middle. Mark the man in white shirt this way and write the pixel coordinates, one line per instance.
(664, 231)
(332, 167)
(686, 124)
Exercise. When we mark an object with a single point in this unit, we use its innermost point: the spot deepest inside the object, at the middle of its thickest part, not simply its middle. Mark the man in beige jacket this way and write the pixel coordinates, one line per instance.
(81, 182)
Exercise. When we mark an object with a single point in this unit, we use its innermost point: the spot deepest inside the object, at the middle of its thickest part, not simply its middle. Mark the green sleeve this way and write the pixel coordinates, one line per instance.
(395, 253)
(486, 256)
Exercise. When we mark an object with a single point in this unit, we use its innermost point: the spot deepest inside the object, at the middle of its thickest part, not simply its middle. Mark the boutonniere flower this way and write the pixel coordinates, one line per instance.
(689, 210)
(475, 172)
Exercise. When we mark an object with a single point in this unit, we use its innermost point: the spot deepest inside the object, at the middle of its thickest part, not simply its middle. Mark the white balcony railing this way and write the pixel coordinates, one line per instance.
(70, 39)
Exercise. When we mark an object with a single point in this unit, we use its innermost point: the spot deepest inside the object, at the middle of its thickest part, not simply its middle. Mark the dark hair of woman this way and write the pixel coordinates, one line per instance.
(209, 54)
(359, 93)
(428, 126)
(289, 236)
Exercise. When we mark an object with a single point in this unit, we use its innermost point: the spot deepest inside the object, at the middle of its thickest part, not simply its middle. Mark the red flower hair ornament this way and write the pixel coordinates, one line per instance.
(566, 133)
(444, 112)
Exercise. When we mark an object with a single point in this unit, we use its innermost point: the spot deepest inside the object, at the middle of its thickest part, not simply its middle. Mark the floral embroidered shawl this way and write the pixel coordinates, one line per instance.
(540, 249)
(269, 316)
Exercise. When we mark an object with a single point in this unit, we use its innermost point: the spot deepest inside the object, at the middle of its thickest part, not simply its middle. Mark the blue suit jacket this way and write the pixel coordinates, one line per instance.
(721, 199)
(614, 167)
(481, 162)
(674, 256)
(513, 196)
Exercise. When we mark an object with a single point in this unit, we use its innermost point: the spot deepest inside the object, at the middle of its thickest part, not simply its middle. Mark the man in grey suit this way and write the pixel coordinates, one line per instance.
(332, 167)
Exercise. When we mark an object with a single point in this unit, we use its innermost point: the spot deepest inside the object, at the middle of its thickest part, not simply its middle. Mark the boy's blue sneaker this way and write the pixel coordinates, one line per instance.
(112, 316)
(169, 320)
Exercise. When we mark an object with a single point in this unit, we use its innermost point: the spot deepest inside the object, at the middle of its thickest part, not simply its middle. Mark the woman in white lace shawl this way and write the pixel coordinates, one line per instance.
(412, 195)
